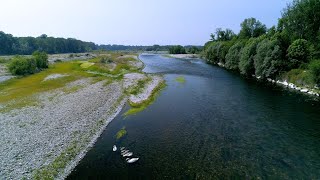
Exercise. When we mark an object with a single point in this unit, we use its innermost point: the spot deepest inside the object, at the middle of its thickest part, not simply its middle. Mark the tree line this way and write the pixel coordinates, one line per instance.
(10, 45)
(271, 52)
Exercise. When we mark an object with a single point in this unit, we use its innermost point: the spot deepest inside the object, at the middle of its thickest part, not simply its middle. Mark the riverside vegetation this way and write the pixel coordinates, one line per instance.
(66, 105)
(287, 52)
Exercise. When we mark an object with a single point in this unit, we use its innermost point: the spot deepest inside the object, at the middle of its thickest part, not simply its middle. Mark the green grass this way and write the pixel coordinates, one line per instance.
(139, 87)
(136, 108)
(86, 64)
(15, 90)
(120, 134)
(19, 88)
(181, 79)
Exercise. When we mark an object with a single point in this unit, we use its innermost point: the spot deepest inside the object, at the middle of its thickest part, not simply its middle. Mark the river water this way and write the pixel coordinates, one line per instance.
(214, 125)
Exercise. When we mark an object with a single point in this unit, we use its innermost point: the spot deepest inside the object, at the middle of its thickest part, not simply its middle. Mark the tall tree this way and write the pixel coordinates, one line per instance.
(251, 28)
(224, 35)
(301, 19)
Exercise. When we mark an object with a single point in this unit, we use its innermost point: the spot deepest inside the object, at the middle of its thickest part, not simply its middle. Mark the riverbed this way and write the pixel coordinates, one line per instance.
(214, 124)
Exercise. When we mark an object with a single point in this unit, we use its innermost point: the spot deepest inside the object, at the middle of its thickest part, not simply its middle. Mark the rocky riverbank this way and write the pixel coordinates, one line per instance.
(183, 56)
(306, 90)
(49, 137)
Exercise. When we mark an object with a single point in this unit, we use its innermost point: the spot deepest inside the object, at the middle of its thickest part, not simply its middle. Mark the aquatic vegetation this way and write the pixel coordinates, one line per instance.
(180, 79)
(139, 87)
(121, 133)
(136, 108)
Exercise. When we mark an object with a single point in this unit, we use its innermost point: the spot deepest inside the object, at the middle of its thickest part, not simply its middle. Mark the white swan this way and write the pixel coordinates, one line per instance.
(132, 160)
(128, 154)
(114, 149)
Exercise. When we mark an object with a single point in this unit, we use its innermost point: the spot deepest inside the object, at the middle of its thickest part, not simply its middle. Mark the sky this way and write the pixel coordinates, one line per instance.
(133, 22)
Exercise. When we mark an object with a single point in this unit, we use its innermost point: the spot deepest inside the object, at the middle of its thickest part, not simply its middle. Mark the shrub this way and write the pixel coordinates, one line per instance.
(104, 60)
(3, 60)
(41, 59)
(22, 66)
(298, 52)
(299, 77)
(233, 56)
(315, 71)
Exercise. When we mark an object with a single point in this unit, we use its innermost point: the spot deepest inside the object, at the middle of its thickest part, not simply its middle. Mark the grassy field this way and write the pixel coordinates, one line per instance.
(19, 91)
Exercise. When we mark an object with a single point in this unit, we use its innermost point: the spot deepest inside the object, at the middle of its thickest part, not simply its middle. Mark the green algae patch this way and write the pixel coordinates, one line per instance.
(120, 134)
(86, 64)
(181, 79)
(136, 108)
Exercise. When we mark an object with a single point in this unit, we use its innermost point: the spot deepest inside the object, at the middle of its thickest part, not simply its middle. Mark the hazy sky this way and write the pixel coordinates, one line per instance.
(133, 22)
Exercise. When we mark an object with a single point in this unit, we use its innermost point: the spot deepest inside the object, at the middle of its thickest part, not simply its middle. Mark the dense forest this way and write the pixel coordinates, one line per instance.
(10, 45)
(290, 50)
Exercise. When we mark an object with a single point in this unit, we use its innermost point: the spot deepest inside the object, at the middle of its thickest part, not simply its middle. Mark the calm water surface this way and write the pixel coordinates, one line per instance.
(215, 125)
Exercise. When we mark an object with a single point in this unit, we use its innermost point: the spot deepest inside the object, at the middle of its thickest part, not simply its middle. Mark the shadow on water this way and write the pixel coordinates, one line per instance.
(214, 125)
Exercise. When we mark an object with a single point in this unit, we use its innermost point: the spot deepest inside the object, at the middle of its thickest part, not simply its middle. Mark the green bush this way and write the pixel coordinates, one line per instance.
(315, 71)
(233, 56)
(41, 59)
(3, 60)
(298, 52)
(105, 59)
(300, 77)
(22, 66)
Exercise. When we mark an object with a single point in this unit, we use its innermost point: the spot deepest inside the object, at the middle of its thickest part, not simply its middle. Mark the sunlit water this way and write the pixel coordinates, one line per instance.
(215, 125)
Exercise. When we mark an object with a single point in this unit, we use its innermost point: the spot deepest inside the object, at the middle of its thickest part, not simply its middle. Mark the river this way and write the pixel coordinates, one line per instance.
(216, 124)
